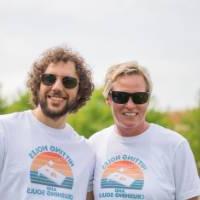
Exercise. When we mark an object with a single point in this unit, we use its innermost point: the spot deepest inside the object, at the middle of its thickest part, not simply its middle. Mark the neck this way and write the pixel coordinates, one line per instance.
(53, 123)
(129, 132)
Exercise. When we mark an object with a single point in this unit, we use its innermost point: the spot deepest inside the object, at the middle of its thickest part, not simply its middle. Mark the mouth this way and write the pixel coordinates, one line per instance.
(56, 99)
(130, 114)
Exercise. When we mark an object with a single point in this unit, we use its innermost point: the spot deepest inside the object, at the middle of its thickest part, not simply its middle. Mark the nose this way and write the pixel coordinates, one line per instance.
(130, 103)
(58, 85)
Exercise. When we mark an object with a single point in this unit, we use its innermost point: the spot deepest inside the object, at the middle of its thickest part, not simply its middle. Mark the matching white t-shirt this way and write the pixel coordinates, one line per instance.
(155, 165)
(42, 163)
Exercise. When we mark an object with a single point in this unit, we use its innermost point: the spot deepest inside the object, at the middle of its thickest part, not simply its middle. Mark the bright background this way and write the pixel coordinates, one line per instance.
(164, 36)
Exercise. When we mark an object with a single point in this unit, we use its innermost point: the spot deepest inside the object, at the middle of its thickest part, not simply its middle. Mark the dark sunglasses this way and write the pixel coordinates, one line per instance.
(123, 97)
(68, 81)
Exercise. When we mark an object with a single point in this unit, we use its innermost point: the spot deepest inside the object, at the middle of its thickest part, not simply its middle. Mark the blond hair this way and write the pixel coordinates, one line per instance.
(126, 68)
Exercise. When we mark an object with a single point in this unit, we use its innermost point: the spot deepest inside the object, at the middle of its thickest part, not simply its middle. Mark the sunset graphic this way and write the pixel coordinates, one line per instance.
(123, 174)
(51, 169)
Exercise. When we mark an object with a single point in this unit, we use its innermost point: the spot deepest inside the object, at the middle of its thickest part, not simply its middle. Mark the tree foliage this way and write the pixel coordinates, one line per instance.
(20, 104)
(93, 117)
(2, 103)
(190, 125)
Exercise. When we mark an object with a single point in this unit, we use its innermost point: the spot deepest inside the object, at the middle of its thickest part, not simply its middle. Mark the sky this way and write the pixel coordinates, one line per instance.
(163, 36)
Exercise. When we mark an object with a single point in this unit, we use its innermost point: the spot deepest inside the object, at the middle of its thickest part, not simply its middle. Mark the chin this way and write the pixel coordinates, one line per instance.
(56, 109)
(125, 126)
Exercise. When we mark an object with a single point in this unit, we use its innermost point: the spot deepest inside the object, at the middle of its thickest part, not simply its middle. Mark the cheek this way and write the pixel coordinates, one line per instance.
(143, 109)
(42, 89)
(116, 108)
(73, 94)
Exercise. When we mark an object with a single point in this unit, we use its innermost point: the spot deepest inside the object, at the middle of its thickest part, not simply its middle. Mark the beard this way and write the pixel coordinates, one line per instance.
(68, 107)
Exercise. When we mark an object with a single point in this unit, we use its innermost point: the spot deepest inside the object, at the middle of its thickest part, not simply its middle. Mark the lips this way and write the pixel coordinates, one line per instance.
(129, 114)
(56, 99)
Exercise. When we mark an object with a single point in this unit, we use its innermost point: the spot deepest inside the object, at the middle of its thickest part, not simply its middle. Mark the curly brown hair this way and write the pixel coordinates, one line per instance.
(55, 55)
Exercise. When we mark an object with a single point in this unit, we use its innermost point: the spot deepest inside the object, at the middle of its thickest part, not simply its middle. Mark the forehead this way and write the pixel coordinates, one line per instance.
(129, 83)
(62, 69)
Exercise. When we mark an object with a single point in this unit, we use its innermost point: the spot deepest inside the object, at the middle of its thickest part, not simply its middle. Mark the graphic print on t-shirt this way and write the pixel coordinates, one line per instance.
(122, 177)
(122, 174)
(51, 169)
(51, 173)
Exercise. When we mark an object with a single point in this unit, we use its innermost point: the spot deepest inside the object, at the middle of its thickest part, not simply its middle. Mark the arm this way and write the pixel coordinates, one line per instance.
(186, 175)
(194, 198)
(90, 196)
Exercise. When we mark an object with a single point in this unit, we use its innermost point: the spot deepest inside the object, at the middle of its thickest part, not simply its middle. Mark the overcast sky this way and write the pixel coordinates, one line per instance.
(162, 35)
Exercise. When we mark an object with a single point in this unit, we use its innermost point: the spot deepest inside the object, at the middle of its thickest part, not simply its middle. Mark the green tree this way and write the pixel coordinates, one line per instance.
(2, 106)
(20, 104)
(94, 116)
(161, 118)
(3, 103)
(191, 129)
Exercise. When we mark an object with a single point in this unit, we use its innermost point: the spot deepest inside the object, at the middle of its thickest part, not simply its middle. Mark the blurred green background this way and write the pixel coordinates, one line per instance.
(96, 115)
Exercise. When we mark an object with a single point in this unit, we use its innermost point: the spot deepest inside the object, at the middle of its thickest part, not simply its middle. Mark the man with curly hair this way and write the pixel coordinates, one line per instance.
(41, 156)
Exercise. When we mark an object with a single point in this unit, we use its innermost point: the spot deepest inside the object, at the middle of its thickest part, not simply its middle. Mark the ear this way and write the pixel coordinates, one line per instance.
(108, 101)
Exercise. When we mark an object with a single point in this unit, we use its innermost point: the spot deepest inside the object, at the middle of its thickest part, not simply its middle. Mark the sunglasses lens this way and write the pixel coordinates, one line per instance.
(70, 82)
(140, 97)
(120, 97)
(48, 79)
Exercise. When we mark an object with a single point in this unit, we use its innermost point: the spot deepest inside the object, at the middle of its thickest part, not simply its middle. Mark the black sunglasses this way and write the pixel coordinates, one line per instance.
(123, 97)
(68, 81)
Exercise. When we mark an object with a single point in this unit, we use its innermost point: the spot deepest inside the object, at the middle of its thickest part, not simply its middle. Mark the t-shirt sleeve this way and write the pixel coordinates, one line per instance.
(2, 148)
(185, 172)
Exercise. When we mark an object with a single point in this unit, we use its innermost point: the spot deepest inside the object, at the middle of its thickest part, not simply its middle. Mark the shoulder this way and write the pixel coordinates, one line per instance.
(85, 147)
(12, 123)
(166, 139)
(100, 139)
(13, 117)
(101, 135)
(169, 134)
(9, 124)
(79, 140)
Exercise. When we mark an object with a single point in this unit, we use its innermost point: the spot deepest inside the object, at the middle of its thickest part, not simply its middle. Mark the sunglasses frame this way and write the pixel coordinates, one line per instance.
(49, 79)
(136, 97)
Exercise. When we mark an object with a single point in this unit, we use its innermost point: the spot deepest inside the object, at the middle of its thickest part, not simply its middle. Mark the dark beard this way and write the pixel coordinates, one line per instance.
(69, 106)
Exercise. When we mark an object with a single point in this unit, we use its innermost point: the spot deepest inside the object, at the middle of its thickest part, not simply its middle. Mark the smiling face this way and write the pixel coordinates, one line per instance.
(129, 118)
(56, 100)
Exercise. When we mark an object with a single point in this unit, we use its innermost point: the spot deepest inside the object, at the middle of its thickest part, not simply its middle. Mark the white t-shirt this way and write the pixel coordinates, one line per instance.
(155, 165)
(42, 163)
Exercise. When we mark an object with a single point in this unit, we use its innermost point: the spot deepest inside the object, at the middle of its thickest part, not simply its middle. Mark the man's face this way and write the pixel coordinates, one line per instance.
(56, 98)
(129, 117)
